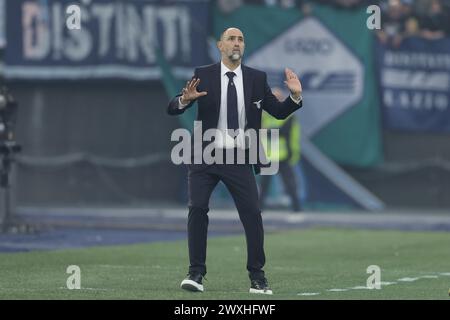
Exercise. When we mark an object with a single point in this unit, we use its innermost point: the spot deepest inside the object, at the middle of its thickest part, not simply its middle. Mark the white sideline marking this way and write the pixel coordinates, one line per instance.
(383, 283)
(45, 289)
(116, 266)
(82, 288)
(23, 289)
(337, 290)
(406, 279)
(308, 294)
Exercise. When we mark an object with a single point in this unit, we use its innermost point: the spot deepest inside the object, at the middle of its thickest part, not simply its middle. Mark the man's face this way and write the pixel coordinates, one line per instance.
(232, 44)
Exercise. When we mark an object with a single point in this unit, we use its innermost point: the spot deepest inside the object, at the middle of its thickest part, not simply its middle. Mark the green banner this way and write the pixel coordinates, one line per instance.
(332, 51)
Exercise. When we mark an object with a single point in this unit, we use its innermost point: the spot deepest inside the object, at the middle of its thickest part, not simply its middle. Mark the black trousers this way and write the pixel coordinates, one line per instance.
(240, 181)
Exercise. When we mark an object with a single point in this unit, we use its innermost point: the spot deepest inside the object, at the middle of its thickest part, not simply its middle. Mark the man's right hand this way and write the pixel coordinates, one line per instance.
(190, 92)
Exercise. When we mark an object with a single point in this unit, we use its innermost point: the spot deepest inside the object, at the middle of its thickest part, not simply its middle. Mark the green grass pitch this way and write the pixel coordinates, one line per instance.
(298, 262)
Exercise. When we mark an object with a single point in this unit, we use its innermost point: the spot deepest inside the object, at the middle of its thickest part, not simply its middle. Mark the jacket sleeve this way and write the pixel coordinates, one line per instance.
(173, 106)
(277, 109)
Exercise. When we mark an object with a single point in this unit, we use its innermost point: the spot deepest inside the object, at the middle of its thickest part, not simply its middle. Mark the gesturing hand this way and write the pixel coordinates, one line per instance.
(190, 91)
(293, 83)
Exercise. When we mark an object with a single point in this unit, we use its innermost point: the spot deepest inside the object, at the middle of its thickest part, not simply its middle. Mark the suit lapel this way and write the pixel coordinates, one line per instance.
(247, 77)
(216, 86)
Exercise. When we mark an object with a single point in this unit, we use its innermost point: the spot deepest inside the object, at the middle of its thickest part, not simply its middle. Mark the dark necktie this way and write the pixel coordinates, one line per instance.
(232, 110)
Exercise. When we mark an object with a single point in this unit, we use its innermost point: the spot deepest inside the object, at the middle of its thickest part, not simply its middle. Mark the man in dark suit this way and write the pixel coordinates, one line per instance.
(230, 97)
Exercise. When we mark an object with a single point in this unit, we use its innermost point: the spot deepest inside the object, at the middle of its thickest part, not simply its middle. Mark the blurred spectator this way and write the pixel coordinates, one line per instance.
(400, 18)
(285, 4)
(288, 154)
(421, 7)
(425, 18)
(228, 6)
(434, 23)
(346, 4)
(398, 22)
(305, 5)
(349, 3)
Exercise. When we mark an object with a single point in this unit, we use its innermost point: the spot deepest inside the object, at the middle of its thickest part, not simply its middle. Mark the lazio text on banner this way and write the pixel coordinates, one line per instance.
(415, 85)
(331, 73)
(117, 39)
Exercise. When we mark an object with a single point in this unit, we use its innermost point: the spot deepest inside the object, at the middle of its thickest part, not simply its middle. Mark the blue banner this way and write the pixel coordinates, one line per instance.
(114, 38)
(415, 85)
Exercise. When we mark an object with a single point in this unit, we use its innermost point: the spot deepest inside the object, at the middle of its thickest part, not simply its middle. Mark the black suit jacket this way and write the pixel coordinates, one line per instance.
(255, 89)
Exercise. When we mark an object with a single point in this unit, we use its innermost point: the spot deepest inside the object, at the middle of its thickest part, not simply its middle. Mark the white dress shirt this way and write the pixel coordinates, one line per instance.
(228, 141)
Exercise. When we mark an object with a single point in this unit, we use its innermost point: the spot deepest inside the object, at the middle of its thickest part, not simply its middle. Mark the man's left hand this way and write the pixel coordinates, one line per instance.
(293, 83)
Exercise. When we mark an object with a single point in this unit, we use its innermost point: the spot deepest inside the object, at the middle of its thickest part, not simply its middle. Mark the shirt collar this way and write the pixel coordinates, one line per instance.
(224, 69)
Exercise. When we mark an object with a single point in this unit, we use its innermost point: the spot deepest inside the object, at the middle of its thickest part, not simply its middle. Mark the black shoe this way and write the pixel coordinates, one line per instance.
(193, 282)
(260, 286)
